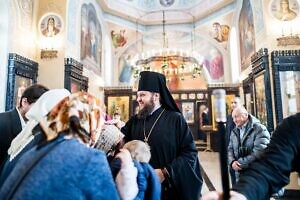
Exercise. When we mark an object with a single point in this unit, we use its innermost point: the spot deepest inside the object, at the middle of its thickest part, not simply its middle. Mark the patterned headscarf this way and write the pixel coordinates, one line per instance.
(79, 113)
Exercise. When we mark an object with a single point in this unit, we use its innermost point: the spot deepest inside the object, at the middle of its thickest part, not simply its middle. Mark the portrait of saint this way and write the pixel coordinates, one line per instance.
(188, 111)
(220, 32)
(90, 38)
(284, 10)
(246, 34)
(51, 25)
(126, 69)
(118, 39)
(214, 64)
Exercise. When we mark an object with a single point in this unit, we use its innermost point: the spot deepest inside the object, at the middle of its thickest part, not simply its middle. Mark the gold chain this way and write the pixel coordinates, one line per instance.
(147, 137)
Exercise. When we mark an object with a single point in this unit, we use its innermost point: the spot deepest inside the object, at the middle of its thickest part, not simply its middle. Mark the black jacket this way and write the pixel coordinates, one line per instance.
(10, 127)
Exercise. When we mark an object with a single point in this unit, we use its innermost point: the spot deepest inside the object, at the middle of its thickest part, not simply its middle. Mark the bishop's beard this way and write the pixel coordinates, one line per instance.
(147, 110)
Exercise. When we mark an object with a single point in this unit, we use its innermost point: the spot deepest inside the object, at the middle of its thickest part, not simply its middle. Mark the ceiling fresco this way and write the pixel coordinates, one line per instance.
(149, 11)
(191, 26)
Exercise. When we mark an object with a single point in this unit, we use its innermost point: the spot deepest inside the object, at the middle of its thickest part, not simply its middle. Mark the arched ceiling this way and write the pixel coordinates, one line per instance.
(149, 12)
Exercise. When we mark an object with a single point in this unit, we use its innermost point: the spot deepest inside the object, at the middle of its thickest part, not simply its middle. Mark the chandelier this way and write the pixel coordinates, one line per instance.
(172, 62)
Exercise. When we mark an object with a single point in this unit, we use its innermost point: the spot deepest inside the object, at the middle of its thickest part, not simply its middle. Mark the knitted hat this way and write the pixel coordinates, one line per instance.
(109, 137)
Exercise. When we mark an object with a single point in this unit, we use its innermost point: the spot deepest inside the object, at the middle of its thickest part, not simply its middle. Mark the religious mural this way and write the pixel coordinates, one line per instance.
(51, 25)
(220, 32)
(188, 111)
(284, 10)
(258, 16)
(246, 34)
(213, 62)
(218, 29)
(91, 38)
(118, 39)
(125, 66)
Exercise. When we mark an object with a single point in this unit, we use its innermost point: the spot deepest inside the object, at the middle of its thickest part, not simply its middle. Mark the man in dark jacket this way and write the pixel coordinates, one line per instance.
(12, 122)
(271, 172)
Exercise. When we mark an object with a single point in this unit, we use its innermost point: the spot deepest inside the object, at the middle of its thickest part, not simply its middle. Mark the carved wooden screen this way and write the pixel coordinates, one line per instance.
(74, 80)
(286, 80)
(262, 88)
(22, 72)
(248, 88)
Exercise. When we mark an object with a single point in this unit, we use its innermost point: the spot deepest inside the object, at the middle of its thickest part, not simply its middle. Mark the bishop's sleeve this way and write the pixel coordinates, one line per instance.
(185, 169)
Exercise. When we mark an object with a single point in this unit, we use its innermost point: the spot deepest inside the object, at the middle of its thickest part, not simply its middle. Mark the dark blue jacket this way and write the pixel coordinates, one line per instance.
(147, 179)
(148, 182)
(71, 170)
(10, 127)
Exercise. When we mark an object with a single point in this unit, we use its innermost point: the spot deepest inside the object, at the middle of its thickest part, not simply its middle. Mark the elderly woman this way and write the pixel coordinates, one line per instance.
(63, 166)
(134, 177)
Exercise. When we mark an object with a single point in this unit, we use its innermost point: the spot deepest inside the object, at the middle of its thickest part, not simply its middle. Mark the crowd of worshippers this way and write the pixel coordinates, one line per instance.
(57, 145)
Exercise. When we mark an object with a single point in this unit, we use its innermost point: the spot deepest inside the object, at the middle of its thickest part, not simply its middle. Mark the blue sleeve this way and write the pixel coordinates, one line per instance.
(97, 181)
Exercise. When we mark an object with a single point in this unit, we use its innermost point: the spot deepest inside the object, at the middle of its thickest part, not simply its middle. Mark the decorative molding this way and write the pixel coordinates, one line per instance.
(48, 54)
(288, 40)
(260, 53)
(286, 53)
(22, 67)
(73, 74)
(260, 68)
(117, 88)
(229, 85)
(281, 61)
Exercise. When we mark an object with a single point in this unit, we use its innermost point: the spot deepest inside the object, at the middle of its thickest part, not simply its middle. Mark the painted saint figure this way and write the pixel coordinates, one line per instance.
(50, 30)
(118, 39)
(285, 13)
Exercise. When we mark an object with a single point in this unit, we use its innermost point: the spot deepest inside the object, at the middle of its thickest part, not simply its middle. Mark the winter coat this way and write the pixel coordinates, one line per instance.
(69, 171)
(254, 141)
(272, 172)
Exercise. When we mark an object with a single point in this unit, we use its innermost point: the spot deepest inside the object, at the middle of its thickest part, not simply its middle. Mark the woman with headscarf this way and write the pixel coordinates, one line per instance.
(134, 177)
(124, 172)
(62, 165)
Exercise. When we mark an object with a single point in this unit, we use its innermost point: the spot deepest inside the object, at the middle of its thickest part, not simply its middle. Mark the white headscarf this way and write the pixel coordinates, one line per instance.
(39, 110)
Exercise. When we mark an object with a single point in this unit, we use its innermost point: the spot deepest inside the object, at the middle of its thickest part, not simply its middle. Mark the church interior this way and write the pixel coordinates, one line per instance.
(248, 48)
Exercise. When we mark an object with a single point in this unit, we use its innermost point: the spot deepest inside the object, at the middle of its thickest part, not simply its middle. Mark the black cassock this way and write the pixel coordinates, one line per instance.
(172, 146)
